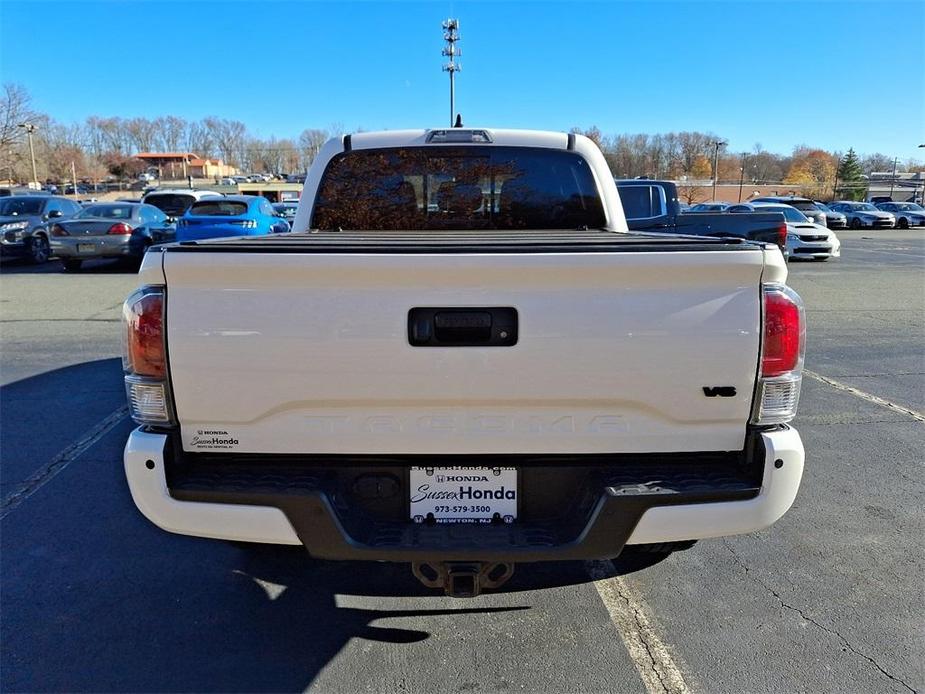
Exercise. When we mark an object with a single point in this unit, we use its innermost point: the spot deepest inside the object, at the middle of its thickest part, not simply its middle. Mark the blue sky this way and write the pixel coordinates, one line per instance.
(828, 74)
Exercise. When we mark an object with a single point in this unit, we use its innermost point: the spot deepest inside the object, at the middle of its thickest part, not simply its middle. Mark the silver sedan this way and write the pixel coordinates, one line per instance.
(109, 230)
(908, 214)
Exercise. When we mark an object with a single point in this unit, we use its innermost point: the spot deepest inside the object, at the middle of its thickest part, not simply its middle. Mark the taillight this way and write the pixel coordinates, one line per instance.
(784, 335)
(58, 230)
(782, 235)
(120, 229)
(144, 358)
(783, 346)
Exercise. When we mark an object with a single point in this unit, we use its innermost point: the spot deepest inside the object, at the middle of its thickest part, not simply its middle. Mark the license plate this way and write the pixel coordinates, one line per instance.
(86, 248)
(463, 494)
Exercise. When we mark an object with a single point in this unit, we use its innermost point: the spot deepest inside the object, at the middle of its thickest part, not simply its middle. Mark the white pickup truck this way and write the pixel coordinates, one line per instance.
(460, 358)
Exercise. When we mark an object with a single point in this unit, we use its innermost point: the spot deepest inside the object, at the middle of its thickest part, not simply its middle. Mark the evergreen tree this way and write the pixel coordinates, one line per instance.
(851, 182)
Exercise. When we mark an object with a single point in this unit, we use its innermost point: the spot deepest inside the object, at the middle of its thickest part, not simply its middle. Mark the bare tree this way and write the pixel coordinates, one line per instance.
(310, 143)
(15, 108)
(169, 132)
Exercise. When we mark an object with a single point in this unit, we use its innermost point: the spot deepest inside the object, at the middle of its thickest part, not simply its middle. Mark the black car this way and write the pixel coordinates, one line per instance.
(25, 222)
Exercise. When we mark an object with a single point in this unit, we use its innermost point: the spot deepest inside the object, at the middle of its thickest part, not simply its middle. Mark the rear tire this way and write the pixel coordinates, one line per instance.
(903, 223)
(72, 265)
(855, 223)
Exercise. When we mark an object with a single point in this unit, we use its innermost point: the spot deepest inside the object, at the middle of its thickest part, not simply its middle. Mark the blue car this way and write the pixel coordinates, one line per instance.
(233, 215)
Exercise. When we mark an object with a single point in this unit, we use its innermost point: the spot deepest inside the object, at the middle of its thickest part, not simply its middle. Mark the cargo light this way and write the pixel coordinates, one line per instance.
(144, 357)
(783, 347)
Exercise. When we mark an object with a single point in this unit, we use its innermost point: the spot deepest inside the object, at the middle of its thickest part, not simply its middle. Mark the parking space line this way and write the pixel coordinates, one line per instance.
(47, 472)
(865, 396)
(872, 250)
(630, 615)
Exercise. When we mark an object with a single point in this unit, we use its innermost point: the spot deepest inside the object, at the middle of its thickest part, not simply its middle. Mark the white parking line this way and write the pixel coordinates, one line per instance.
(871, 250)
(630, 616)
(47, 472)
(865, 396)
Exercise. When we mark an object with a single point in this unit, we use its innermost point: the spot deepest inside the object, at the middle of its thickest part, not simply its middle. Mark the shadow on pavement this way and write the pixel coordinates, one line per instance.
(41, 415)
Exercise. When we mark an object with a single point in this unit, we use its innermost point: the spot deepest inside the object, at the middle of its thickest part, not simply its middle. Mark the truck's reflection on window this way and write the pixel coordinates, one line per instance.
(444, 188)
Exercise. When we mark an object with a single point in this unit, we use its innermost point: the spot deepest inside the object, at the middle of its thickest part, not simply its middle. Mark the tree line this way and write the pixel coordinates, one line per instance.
(101, 147)
(687, 157)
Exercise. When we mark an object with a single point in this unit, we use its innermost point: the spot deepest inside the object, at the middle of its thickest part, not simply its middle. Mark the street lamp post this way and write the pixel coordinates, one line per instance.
(31, 128)
(716, 145)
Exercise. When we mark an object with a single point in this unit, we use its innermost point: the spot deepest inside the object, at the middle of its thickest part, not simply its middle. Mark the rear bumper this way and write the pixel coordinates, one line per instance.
(619, 511)
(116, 246)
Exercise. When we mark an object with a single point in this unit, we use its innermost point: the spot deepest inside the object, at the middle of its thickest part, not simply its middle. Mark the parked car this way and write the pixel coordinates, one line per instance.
(708, 206)
(175, 201)
(227, 181)
(240, 179)
(232, 215)
(469, 388)
(653, 206)
(804, 205)
(286, 210)
(907, 214)
(806, 240)
(864, 214)
(145, 176)
(110, 230)
(25, 221)
(833, 219)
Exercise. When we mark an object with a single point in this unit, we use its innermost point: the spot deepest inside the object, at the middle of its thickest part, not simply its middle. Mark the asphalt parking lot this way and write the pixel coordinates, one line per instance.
(94, 598)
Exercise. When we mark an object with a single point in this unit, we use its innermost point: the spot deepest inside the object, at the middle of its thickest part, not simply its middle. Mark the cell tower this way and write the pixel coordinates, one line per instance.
(451, 36)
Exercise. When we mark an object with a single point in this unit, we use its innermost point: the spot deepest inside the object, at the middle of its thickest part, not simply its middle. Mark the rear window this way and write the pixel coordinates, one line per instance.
(444, 188)
(804, 205)
(641, 202)
(173, 204)
(219, 208)
(107, 211)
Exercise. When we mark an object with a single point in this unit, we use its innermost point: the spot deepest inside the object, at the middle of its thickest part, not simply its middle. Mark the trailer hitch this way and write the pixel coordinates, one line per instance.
(463, 579)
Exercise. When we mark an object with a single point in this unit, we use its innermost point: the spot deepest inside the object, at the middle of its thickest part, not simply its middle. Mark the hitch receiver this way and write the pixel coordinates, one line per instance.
(463, 579)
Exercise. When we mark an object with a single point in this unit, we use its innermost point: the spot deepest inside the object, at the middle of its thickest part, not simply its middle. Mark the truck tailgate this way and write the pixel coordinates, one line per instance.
(302, 352)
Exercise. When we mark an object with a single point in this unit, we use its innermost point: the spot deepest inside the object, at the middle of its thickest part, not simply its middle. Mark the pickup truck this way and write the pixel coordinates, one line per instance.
(653, 206)
(462, 359)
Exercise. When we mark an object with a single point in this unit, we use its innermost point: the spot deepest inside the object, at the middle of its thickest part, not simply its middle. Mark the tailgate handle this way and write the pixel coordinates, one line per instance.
(462, 327)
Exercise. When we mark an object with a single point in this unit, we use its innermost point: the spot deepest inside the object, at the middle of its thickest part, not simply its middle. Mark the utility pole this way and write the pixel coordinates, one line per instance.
(742, 174)
(893, 176)
(716, 145)
(74, 178)
(451, 36)
(31, 128)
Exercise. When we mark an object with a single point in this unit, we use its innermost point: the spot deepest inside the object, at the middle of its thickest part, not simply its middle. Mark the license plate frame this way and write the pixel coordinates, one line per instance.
(489, 494)
(86, 248)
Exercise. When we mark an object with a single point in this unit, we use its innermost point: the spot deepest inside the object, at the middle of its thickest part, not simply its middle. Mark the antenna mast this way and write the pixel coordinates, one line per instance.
(451, 36)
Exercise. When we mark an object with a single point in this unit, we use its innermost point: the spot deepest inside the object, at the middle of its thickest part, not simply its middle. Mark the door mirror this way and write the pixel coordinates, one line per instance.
(170, 220)
(54, 214)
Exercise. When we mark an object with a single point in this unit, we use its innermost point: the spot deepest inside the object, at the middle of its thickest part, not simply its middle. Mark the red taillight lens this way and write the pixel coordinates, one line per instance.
(782, 235)
(784, 331)
(144, 334)
(121, 229)
(58, 230)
